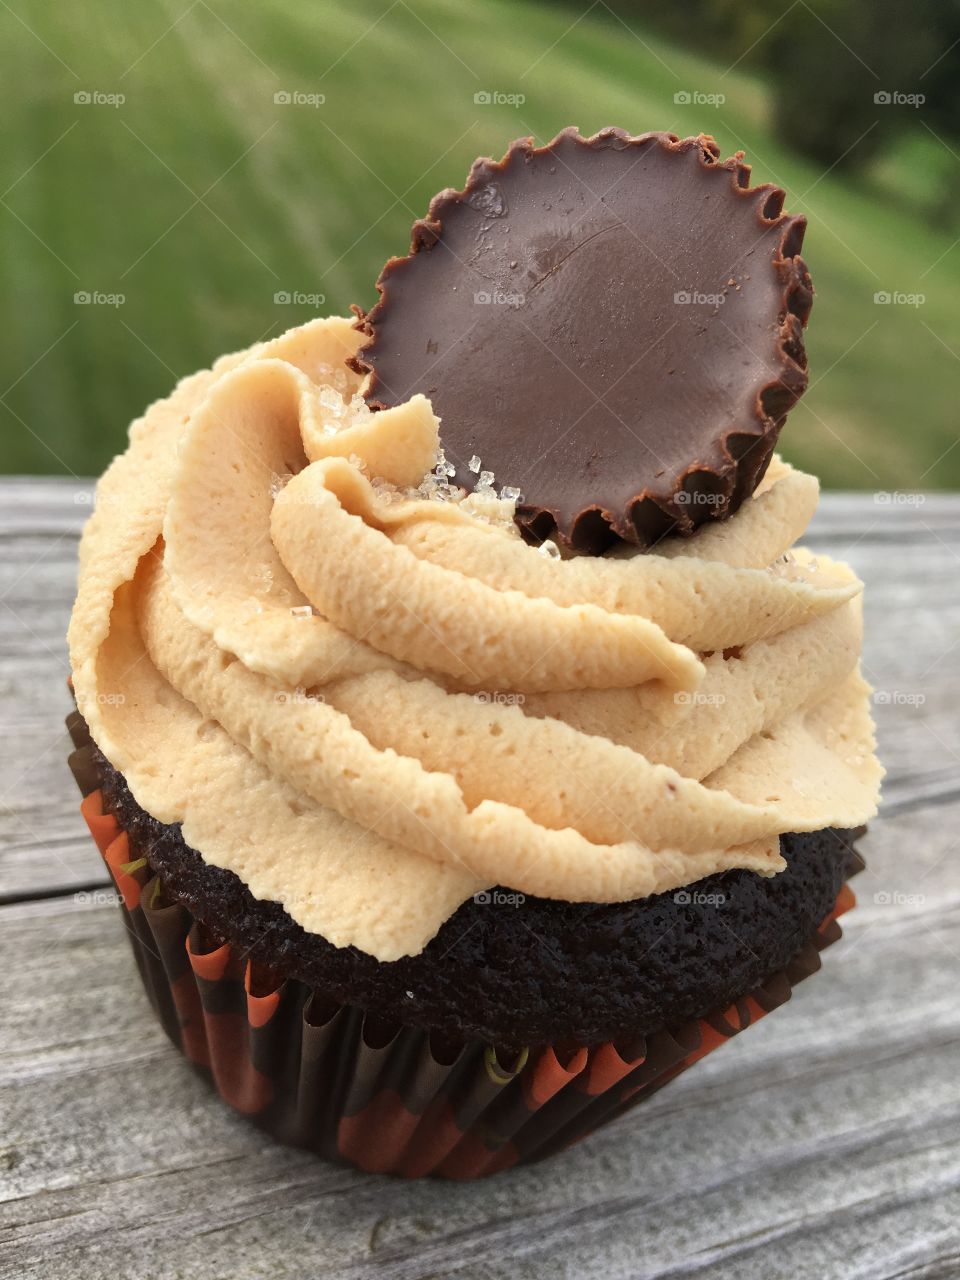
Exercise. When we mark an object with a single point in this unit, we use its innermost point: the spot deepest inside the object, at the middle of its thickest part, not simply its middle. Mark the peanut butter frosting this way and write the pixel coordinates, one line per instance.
(370, 699)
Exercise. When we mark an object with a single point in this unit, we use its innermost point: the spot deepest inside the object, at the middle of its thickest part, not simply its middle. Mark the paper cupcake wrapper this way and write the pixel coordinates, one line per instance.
(382, 1096)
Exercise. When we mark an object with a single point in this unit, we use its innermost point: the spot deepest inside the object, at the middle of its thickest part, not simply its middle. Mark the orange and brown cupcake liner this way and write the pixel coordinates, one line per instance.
(380, 1095)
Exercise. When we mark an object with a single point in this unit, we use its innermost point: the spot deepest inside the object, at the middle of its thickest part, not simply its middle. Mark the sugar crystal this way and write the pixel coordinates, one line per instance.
(331, 399)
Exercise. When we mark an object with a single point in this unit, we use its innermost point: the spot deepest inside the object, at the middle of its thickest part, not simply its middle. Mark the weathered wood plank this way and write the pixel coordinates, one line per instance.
(831, 1122)
(43, 848)
(823, 1143)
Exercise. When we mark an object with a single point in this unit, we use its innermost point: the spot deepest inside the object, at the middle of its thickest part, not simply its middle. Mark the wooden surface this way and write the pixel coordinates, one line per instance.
(825, 1142)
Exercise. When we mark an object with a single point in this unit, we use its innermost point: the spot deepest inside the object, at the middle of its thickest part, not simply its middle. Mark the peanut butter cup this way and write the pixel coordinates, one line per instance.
(611, 327)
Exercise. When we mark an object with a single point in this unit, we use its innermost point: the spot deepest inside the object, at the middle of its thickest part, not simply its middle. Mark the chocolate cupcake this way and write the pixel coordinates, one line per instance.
(438, 848)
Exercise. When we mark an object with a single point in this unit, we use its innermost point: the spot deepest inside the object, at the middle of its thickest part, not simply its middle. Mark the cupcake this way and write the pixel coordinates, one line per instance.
(471, 743)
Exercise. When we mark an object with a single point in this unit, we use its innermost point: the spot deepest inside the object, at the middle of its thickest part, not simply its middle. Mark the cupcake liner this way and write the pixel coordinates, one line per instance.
(373, 1093)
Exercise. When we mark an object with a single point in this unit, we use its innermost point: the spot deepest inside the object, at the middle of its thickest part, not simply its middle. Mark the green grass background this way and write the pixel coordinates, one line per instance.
(200, 198)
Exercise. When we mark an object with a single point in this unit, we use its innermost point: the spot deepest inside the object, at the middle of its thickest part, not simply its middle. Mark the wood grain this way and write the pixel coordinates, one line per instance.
(822, 1144)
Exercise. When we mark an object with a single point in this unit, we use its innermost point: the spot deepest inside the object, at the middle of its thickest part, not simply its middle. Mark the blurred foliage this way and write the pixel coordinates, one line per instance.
(205, 201)
(828, 62)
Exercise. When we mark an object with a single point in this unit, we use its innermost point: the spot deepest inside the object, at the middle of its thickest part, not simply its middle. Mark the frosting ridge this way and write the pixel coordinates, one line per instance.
(371, 704)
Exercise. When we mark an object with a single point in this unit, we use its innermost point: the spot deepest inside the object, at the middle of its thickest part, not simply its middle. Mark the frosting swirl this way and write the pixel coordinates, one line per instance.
(370, 704)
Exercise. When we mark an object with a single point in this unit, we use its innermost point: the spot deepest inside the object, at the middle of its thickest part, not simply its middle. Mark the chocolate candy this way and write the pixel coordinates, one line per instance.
(611, 325)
